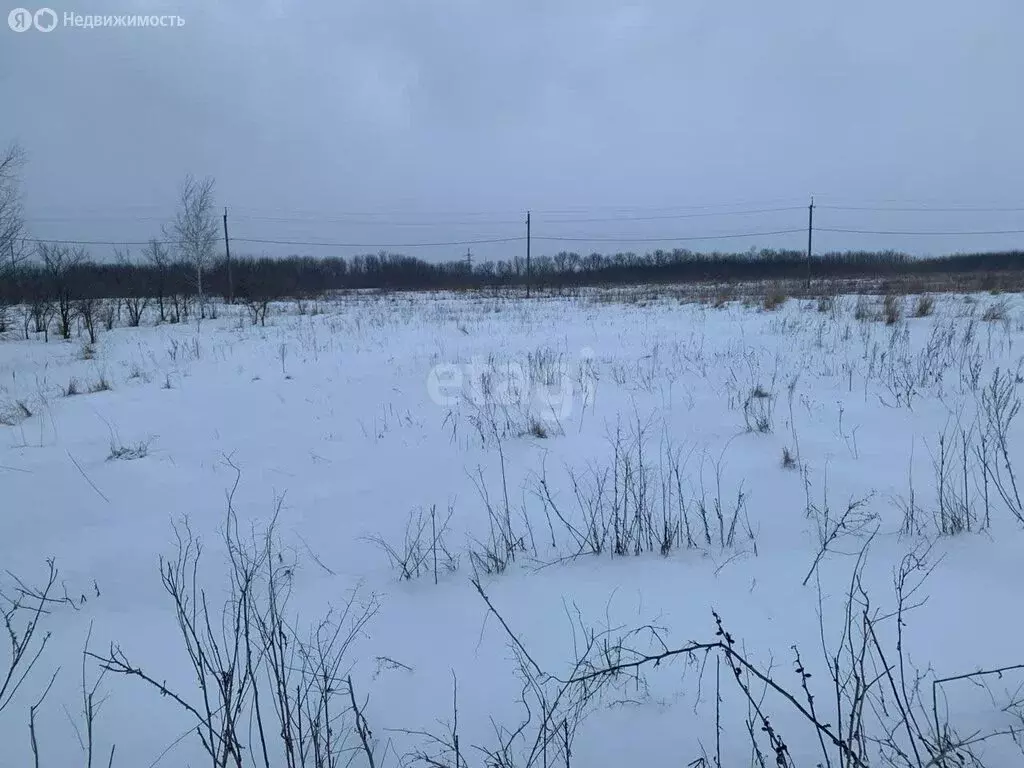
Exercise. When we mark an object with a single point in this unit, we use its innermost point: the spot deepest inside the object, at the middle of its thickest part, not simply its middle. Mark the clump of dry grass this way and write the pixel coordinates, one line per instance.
(863, 310)
(774, 299)
(788, 460)
(12, 414)
(102, 384)
(131, 452)
(721, 300)
(536, 428)
(996, 312)
(892, 309)
(924, 306)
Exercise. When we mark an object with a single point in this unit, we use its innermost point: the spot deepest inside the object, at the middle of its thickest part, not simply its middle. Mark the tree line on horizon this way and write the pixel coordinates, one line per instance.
(60, 270)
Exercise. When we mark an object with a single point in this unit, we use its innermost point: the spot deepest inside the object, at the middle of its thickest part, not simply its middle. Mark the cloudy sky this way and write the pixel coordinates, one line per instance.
(387, 122)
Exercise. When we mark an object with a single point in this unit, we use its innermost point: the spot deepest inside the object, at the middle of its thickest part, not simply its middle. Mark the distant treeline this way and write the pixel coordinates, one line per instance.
(265, 278)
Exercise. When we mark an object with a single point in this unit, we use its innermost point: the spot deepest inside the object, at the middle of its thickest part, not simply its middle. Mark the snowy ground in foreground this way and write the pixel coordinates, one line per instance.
(352, 420)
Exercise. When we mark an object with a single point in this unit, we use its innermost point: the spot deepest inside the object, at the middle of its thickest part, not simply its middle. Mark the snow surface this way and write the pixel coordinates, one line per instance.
(351, 421)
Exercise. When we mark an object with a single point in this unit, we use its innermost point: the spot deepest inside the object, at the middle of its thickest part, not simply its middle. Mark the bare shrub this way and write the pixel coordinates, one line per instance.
(136, 306)
(1000, 406)
(258, 308)
(423, 548)
(23, 610)
(854, 521)
(759, 410)
(262, 685)
(876, 710)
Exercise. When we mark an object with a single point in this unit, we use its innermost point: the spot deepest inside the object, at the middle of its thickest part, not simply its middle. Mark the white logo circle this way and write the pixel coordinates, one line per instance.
(45, 20)
(20, 19)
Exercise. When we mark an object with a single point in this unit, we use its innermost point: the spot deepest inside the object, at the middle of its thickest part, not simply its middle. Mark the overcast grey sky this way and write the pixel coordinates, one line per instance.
(307, 113)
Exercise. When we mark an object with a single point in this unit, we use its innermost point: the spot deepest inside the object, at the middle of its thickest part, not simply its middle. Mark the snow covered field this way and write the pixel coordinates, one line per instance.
(614, 474)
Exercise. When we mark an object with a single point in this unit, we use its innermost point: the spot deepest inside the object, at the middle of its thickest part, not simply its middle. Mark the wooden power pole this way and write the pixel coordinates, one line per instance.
(527, 254)
(810, 239)
(227, 256)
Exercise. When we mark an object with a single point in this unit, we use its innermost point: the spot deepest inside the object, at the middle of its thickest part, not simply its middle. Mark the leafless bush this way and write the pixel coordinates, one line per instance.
(855, 521)
(638, 504)
(258, 309)
(553, 708)
(961, 476)
(23, 611)
(266, 693)
(1000, 405)
(423, 548)
(136, 306)
(505, 541)
(759, 410)
(108, 315)
(870, 710)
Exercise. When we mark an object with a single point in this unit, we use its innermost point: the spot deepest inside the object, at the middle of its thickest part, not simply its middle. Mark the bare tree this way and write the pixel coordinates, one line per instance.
(136, 295)
(59, 262)
(87, 309)
(12, 220)
(156, 254)
(195, 229)
(12, 225)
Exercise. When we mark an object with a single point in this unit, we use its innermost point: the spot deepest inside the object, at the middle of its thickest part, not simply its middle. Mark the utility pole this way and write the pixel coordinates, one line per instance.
(227, 255)
(810, 238)
(527, 254)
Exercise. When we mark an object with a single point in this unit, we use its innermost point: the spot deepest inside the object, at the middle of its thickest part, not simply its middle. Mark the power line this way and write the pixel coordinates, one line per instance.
(693, 207)
(919, 209)
(380, 222)
(665, 239)
(41, 240)
(380, 245)
(703, 214)
(931, 233)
